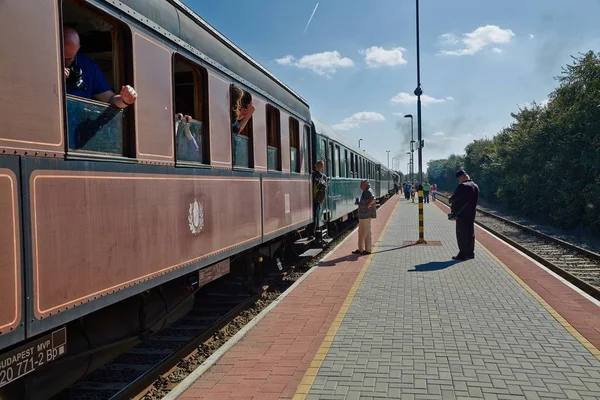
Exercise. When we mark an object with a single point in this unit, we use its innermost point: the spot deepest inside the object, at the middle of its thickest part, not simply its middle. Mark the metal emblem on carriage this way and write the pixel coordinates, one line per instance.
(196, 217)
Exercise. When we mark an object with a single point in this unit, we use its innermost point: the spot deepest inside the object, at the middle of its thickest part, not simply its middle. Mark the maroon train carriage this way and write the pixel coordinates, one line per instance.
(110, 218)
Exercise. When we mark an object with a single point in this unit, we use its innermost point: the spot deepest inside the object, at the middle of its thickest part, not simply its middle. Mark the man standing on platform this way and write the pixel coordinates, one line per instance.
(366, 211)
(426, 188)
(463, 204)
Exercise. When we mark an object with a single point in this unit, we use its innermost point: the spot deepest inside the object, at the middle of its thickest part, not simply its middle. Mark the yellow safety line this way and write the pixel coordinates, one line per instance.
(578, 336)
(313, 369)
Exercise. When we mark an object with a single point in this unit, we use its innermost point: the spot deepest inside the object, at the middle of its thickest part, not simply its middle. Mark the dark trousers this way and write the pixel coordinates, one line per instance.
(465, 237)
(426, 196)
(406, 195)
(316, 211)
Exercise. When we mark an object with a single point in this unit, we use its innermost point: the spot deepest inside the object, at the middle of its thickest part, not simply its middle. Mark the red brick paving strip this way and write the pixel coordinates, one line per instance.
(581, 313)
(271, 360)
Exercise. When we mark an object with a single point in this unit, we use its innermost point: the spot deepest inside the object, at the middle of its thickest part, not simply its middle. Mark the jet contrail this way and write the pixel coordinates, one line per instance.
(310, 19)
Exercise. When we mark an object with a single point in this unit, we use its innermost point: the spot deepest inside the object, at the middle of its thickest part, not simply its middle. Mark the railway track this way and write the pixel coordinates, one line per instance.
(577, 265)
(160, 362)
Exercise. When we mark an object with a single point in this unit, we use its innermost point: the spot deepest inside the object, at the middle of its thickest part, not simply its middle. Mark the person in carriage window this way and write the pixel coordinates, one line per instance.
(241, 108)
(84, 78)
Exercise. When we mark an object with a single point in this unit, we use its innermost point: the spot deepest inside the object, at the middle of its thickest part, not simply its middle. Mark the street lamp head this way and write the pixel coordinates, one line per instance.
(408, 116)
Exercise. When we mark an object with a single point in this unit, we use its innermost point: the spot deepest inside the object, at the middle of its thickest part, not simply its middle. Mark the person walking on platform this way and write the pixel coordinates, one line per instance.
(406, 190)
(433, 191)
(463, 205)
(426, 188)
(366, 211)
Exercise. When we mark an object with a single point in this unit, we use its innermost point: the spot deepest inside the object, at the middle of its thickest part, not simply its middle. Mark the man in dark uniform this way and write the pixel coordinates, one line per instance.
(319, 187)
(463, 204)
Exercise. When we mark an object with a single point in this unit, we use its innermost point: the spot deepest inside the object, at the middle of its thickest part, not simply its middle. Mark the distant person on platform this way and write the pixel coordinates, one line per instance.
(407, 191)
(319, 186)
(426, 189)
(366, 211)
(434, 191)
(84, 78)
(463, 204)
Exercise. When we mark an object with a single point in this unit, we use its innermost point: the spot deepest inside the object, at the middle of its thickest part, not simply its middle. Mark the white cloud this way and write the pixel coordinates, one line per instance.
(406, 98)
(477, 40)
(379, 57)
(287, 60)
(545, 102)
(531, 36)
(324, 63)
(358, 118)
(497, 50)
(449, 39)
(439, 134)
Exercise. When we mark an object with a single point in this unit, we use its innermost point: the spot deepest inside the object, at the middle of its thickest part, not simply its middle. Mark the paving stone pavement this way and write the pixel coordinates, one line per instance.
(422, 327)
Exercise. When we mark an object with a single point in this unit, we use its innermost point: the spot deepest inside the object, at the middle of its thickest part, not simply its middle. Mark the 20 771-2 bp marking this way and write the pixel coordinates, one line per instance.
(28, 358)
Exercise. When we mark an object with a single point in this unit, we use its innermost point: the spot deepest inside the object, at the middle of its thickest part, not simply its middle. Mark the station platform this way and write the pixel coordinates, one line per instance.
(407, 322)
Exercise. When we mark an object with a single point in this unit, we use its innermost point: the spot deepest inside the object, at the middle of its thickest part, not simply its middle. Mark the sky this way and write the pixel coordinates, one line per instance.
(355, 62)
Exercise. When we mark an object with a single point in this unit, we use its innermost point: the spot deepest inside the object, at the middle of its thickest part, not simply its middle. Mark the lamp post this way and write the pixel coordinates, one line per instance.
(412, 142)
(387, 151)
(410, 163)
(359, 143)
(418, 92)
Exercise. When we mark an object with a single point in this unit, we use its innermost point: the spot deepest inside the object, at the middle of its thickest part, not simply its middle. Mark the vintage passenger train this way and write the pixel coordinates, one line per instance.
(111, 218)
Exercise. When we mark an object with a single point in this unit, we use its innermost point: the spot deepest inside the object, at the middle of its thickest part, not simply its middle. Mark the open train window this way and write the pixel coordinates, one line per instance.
(306, 152)
(294, 145)
(97, 63)
(241, 127)
(273, 138)
(191, 113)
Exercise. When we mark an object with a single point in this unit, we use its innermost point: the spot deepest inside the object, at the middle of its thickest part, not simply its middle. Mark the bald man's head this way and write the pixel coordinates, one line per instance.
(71, 44)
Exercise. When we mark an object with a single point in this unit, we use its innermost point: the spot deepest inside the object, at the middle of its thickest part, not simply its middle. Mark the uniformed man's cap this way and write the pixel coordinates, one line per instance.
(461, 173)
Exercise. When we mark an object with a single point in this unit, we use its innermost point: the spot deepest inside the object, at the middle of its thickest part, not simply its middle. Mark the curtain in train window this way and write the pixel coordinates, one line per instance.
(241, 127)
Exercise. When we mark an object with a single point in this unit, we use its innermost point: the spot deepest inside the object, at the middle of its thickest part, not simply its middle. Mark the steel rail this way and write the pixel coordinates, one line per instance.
(590, 289)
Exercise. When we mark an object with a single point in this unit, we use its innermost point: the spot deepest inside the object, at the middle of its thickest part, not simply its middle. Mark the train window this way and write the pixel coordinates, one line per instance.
(95, 49)
(345, 172)
(352, 165)
(337, 161)
(294, 145)
(330, 170)
(191, 130)
(323, 151)
(241, 127)
(306, 153)
(273, 138)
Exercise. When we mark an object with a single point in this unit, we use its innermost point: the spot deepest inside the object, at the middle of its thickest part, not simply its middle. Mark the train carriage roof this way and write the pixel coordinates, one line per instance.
(179, 20)
(325, 130)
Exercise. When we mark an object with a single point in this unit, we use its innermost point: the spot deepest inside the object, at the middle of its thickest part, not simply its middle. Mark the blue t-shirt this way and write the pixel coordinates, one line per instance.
(235, 126)
(92, 76)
